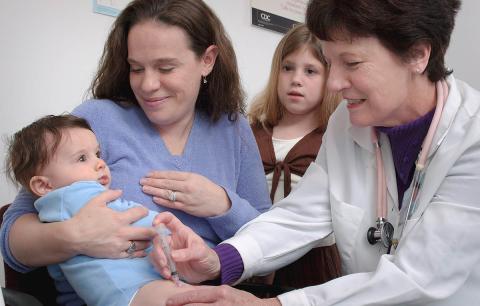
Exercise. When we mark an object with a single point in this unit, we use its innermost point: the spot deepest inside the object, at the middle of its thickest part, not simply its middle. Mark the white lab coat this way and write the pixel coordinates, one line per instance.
(437, 261)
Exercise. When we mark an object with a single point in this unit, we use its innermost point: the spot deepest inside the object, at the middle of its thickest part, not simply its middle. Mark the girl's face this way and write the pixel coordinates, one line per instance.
(376, 83)
(165, 74)
(301, 82)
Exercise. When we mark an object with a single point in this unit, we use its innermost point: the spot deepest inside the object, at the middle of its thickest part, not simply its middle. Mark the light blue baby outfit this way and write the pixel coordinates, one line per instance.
(99, 281)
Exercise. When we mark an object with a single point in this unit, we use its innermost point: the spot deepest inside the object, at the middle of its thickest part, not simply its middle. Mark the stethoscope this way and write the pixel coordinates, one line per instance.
(383, 231)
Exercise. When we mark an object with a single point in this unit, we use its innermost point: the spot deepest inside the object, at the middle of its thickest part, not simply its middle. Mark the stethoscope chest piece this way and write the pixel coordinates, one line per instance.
(383, 233)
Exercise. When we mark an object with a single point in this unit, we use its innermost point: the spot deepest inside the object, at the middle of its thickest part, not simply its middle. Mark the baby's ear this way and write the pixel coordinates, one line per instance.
(40, 185)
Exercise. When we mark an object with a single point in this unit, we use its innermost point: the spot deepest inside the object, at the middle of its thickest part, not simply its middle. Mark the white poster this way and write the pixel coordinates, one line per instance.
(109, 7)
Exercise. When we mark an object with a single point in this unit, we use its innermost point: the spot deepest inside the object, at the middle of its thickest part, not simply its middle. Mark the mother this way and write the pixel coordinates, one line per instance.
(168, 117)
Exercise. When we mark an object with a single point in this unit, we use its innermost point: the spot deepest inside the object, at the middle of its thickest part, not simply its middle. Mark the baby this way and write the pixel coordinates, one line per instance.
(58, 159)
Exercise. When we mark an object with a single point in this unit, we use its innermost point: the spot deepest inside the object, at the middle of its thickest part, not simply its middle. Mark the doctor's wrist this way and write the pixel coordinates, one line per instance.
(231, 263)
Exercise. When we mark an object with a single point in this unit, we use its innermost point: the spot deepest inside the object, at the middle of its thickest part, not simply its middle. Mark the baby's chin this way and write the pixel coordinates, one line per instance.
(106, 185)
(105, 181)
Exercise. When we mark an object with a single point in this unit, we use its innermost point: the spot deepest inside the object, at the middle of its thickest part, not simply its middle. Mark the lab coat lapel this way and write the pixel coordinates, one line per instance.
(438, 166)
(390, 175)
(449, 113)
(362, 136)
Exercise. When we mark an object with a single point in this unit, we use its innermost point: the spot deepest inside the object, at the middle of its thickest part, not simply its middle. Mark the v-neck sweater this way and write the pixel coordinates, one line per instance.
(225, 152)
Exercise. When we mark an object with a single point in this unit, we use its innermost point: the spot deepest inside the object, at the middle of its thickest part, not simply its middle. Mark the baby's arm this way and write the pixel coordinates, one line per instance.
(23, 235)
(157, 292)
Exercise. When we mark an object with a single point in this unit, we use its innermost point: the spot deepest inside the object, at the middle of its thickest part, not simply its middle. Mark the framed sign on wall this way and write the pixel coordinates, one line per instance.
(278, 15)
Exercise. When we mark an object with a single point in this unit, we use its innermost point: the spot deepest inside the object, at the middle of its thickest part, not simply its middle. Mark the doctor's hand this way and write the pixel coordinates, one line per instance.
(223, 295)
(195, 261)
(186, 191)
(101, 232)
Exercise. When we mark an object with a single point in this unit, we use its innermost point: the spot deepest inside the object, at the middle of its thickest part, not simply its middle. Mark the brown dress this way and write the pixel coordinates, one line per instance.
(320, 264)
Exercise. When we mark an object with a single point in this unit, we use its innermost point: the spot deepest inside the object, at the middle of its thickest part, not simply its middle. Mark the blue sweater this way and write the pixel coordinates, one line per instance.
(225, 152)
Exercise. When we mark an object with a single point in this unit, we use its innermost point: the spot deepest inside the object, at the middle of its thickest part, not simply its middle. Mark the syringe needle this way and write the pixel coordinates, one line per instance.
(163, 232)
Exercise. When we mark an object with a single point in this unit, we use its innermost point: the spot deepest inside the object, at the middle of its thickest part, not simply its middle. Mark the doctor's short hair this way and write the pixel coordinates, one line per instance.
(29, 151)
(266, 109)
(398, 24)
(222, 94)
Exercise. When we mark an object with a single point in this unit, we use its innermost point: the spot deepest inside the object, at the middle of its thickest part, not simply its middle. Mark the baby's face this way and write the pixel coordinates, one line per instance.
(77, 159)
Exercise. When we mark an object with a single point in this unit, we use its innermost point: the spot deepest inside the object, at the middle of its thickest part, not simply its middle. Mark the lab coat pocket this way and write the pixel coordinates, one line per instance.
(407, 228)
(346, 221)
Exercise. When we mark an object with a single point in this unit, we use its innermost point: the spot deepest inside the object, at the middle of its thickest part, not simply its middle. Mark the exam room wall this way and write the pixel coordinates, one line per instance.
(49, 51)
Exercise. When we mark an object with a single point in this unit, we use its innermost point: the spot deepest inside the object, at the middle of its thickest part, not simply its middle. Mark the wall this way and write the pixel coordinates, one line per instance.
(463, 55)
(50, 48)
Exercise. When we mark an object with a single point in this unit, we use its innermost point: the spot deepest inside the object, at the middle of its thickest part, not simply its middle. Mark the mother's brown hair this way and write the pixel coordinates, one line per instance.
(398, 24)
(221, 95)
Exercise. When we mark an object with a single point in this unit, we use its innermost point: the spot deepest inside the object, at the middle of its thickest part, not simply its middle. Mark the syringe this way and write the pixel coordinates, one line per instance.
(163, 233)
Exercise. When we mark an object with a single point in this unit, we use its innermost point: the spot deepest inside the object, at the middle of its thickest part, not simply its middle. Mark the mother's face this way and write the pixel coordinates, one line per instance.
(165, 74)
(377, 84)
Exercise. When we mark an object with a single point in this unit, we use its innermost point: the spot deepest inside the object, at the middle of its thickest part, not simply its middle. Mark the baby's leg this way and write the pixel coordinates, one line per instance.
(157, 292)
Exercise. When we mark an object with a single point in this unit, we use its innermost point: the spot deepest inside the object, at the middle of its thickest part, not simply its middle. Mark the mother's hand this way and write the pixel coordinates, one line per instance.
(99, 231)
(223, 295)
(186, 191)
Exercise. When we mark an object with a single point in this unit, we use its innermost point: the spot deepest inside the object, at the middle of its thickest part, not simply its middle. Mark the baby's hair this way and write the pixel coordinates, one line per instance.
(29, 151)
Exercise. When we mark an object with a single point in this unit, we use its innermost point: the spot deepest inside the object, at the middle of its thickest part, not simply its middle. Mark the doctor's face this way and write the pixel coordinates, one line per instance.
(375, 82)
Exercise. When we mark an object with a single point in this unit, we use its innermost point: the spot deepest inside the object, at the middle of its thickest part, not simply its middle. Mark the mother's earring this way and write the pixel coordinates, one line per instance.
(204, 79)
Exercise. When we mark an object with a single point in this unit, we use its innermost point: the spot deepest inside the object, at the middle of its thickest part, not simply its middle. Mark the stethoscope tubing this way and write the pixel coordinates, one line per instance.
(420, 165)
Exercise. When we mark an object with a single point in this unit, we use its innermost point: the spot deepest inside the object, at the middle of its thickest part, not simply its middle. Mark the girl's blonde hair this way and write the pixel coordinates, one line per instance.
(266, 109)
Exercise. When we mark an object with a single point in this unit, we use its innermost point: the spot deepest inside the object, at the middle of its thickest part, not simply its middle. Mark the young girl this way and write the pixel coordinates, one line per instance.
(288, 120)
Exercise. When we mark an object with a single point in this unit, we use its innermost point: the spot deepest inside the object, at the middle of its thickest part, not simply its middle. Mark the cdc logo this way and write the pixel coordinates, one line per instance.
(265, 17)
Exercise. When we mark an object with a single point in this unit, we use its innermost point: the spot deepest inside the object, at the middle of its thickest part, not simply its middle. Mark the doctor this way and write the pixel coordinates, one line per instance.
(397, 178)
